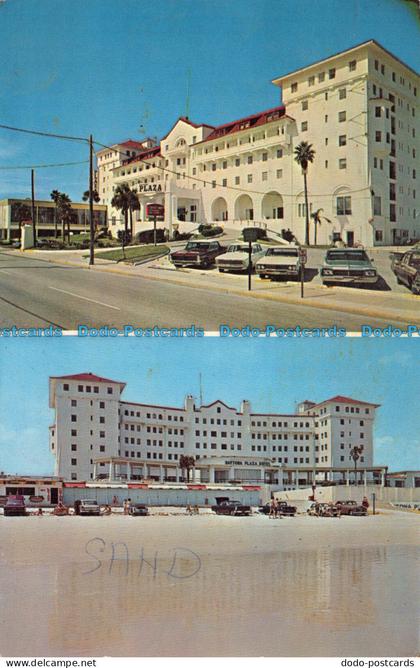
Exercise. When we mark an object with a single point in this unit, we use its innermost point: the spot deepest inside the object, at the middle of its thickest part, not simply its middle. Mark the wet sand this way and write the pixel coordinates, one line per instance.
(209, 586)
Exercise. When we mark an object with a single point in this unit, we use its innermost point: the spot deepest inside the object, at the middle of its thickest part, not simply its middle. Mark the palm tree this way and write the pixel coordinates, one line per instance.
(355, 454)
(63, 205)
(316, 217)
(187, 463)
(20, 213)
(95, 198)
(134, 205)
(304, 154)
(121, 201)
(54, 195)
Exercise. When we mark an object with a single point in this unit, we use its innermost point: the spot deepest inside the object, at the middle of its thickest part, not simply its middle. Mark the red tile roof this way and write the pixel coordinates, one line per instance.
(88, 377)
(150, 153)
(346, 400)
(130, 143)
(255, 120)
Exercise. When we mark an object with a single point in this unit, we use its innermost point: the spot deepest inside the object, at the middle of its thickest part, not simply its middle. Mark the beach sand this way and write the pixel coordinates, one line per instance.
(207, 585)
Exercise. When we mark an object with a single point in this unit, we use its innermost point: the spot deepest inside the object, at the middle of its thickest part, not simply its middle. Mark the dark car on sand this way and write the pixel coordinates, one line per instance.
(198, 254)
(231, 508)
(283, 508)
(351, 508)
(15, 505)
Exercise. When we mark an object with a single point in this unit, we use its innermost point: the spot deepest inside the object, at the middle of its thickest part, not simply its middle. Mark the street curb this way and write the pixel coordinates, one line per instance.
(383, 314)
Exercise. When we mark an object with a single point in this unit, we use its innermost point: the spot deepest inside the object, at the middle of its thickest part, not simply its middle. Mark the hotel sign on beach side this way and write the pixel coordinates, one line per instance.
(245, 463)
(149, 188)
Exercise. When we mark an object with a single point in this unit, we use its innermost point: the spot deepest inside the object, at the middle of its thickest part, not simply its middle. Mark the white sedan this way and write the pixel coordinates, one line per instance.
(236, 257)
(282, 261)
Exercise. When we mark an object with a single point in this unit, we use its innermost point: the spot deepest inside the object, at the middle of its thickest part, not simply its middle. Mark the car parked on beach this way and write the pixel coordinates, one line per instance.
(351, 508)
(283, 508)
(318, 509)
(280, 261)
(350, 266)
(138, 510)
(14, 506)
(231, 508)
(237, 257)
(89, 507)
(197, 254)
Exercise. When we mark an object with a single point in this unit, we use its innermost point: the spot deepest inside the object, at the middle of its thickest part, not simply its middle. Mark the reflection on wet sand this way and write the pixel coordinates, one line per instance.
(293, 603)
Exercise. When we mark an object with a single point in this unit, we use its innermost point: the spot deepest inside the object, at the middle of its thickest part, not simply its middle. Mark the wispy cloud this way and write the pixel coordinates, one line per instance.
(20, 451)
(398, 453)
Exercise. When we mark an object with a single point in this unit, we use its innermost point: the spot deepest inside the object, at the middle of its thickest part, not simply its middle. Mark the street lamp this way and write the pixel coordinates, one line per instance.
(355, 454)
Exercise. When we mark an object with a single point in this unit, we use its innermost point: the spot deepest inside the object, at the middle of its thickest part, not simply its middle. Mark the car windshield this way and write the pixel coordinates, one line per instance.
(14, 502)
(237, 248)
(348, 256)
(286, 252)
(194, 245)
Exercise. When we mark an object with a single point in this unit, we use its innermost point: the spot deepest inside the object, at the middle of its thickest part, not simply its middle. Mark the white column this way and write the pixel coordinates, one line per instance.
(211, 474)
(297, 479)
(128, 470)
(160, 473)
(110, 470)
(94, 471)
(348, 478)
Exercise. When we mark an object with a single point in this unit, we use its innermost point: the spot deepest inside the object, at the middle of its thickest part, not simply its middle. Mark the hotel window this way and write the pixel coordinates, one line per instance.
(109, 390)
(279, 173)
(213, 167)
(249, 160)
(74, 462)
(74, 432)
(344, 205)
(80, 388)
(376, 65)
(326, 118)
(377, 112)
(264, 176)
(311, 81)
(304, 105)
(341, 116)
(224, 164)
(294, 87)
(237, 162)
(331, 73)
(321, 77)
(65, 387)
(342, 163)
(249, 178)
(342, 140)
(377, 206)
(352, 65)
(342, 94)
(237, 180)
(74, 447)
(224, 183)
(264, 157)
(304, 126)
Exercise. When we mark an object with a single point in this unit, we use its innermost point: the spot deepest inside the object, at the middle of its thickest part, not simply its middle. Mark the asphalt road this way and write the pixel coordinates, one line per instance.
(37, 293)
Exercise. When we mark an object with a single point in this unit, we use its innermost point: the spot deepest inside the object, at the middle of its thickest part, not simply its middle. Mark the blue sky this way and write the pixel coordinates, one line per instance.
(272, 374)
(108, 67)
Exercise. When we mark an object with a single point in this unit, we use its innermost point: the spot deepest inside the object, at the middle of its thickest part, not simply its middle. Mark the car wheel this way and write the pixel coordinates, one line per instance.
(327, 284)
(263, 276)
(399, 281)
(415, 286)
(222, 271)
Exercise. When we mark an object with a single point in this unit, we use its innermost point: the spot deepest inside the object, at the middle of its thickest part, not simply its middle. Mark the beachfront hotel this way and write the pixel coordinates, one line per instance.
(96, 435)
(358, 109)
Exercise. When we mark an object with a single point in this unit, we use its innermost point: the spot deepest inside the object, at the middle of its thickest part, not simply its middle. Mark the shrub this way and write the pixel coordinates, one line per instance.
(210, 230)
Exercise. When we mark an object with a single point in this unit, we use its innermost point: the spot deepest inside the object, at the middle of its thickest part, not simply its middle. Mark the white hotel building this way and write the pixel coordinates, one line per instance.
(358, 109)
(98, 435)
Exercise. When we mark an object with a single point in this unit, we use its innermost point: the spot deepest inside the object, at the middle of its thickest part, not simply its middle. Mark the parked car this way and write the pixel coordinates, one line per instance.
(323, 510)
(15, 505)
(197, 254)
(283, 261)
(283, 508)
(406, 267)
(349, 266)
(138, 509)
(237, 257)
(89, 507)
(231, 508)
(350, 508)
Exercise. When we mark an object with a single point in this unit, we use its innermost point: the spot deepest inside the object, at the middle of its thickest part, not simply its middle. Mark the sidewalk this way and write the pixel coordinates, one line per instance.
(395, 307)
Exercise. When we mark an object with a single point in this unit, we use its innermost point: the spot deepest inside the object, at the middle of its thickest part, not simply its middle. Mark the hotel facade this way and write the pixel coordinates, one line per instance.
(96, 435)
(358, 109)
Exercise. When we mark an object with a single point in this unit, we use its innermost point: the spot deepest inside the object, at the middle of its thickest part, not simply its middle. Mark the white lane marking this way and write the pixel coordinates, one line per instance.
(3, 271)
(94, 301)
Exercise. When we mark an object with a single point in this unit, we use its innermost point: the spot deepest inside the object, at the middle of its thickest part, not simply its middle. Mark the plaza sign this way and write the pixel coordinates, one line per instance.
(150, 187)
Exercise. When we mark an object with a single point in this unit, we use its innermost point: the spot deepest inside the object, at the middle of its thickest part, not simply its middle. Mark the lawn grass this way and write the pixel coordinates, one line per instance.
(133, 254)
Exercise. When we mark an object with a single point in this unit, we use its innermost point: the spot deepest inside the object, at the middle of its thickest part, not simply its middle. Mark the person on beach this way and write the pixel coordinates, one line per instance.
(126, 506)
(365, 502)
(76, 505)
(106, 510)
(39, 512)
(115, 500)
(273, 508)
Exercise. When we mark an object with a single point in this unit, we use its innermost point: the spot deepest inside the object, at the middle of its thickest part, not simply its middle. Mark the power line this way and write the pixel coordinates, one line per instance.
(57, 164)
(43, 134)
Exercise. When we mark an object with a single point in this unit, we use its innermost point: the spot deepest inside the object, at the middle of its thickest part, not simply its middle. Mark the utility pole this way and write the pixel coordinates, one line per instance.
(33, 205)
(92, 226)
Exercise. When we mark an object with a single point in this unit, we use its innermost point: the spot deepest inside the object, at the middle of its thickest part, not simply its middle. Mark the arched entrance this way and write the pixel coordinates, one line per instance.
(244, 208)
(219, 209)
(272, 205)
